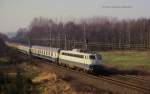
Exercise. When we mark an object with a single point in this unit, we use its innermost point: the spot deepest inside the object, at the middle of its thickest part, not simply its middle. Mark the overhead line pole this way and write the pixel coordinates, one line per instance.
(85, 40)
(50, 37)
(29, 44)
(65, 42)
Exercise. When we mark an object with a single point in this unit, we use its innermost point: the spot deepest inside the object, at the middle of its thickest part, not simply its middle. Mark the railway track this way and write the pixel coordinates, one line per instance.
(130, 85)
(134, 79)
(142, 78)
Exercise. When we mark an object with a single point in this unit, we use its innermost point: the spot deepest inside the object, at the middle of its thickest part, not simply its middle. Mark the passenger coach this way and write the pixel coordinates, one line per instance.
(46, 52)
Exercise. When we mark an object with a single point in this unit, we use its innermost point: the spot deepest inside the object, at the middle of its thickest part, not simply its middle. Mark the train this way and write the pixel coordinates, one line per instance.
(71, 58)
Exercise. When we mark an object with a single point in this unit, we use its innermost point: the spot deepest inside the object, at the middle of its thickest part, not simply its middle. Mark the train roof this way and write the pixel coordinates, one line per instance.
(46, 48)
(75, 52)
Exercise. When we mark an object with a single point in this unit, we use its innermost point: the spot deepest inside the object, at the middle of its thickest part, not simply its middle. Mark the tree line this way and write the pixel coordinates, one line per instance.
(97, 33)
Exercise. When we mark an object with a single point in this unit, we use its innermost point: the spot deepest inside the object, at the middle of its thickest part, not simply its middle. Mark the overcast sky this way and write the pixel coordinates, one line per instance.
(19, 13)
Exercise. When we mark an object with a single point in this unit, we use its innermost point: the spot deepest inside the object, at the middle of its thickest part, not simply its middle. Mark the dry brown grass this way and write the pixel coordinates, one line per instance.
(51, 84)
(58, 87)
(45, 77)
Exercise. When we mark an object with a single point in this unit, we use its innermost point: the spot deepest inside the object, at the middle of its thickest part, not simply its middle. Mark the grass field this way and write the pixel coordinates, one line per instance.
(127, 59)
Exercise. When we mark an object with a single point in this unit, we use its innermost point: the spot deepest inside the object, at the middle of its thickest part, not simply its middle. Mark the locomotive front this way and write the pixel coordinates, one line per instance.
(96, 60)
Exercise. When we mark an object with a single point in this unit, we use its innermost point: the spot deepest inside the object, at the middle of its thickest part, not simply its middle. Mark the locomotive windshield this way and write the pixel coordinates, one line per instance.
(97, 56)
(92, 57)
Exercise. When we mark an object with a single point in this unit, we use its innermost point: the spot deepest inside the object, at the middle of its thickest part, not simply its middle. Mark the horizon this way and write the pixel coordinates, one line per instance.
(17, 14)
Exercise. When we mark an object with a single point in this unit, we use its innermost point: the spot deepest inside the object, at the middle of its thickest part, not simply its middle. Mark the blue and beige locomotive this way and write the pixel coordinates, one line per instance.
(71, 58)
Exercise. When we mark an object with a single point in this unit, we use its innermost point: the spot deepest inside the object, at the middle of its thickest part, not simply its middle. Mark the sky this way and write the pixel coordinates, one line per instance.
(19, 13)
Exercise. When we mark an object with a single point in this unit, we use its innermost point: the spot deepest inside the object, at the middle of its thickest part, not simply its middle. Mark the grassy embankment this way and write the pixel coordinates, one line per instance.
(127, 60)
